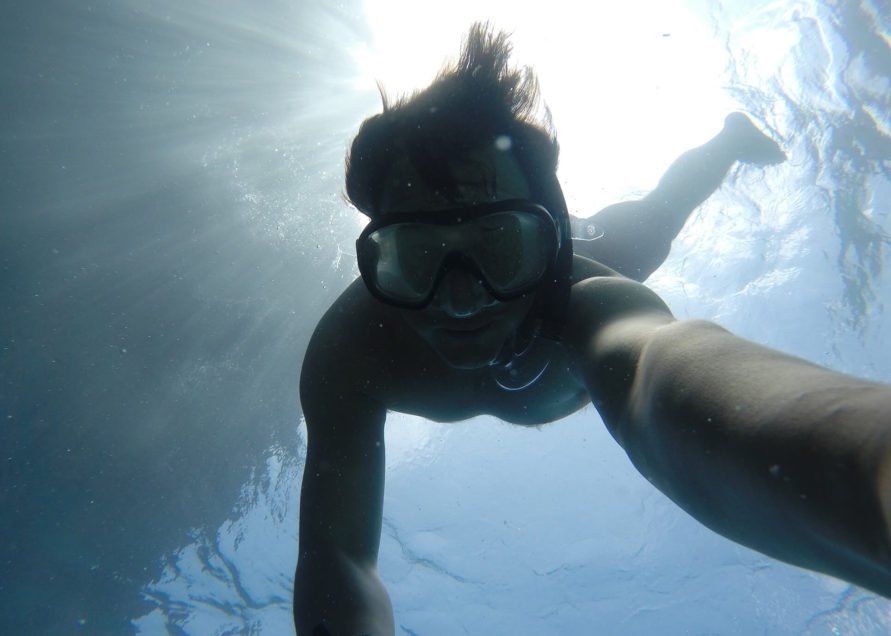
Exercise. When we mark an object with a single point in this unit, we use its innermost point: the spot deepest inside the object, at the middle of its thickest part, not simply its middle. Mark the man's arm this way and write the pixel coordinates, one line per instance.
(634, 237)
(778, 454)
(337, 589)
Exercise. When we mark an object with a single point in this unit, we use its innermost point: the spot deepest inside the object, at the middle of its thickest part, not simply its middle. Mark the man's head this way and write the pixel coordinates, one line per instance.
(474, 107)
(470, 138)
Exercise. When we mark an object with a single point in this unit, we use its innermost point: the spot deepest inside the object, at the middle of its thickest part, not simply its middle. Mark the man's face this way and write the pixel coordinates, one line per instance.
(463, 323)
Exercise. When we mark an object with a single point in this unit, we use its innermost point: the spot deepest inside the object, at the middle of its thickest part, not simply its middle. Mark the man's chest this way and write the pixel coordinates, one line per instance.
(449, 395)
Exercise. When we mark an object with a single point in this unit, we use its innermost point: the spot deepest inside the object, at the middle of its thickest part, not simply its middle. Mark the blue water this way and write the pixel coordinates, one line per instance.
(171, 229)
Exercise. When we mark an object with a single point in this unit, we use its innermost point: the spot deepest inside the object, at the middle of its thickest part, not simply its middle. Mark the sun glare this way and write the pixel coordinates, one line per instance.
(629, 85)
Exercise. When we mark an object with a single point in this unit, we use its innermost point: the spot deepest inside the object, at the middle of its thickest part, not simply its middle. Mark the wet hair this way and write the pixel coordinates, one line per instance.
(478, 101)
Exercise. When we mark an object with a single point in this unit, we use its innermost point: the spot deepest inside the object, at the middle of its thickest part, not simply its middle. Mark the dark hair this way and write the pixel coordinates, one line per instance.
(468, 106)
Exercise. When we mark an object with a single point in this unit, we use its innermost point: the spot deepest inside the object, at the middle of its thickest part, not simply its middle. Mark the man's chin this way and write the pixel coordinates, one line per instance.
(467, 364)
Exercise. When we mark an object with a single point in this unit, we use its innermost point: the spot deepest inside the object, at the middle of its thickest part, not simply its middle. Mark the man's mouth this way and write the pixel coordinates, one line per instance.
(465, 330)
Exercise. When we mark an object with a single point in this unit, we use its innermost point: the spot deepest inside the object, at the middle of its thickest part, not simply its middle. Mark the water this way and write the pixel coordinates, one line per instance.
(171, 229)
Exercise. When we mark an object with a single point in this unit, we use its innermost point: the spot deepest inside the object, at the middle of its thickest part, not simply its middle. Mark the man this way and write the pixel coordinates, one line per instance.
(472, 302)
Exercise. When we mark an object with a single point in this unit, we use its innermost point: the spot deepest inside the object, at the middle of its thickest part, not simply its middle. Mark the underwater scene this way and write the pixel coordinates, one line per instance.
(173, 227)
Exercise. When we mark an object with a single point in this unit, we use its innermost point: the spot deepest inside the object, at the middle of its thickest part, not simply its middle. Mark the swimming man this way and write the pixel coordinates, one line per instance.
(472, 302)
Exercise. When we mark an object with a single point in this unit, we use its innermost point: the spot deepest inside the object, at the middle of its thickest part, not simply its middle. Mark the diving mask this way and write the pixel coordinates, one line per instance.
(509, 245)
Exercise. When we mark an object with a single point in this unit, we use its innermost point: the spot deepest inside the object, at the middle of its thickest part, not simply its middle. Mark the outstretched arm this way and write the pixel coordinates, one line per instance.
(337, 589)
(634, 237)
(778, 454)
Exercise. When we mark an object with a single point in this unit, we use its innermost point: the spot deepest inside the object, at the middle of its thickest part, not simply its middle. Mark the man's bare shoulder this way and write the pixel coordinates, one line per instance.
(362, 348)
(355, 340)
(584, 268)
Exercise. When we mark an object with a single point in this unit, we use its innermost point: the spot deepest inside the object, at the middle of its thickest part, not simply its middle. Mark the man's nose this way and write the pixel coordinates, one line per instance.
(461, 294)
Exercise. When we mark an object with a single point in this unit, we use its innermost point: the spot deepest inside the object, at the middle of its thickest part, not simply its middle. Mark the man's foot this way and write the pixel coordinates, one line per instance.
(752, 145)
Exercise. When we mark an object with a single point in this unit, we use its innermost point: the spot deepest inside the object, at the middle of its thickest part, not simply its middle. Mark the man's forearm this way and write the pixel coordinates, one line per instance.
(769, 450)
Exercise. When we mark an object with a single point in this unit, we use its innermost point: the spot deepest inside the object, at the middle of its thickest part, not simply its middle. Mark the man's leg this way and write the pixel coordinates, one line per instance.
(634, 237)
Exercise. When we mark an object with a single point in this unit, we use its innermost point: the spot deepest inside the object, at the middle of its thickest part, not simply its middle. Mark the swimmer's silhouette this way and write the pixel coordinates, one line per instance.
(467, 266)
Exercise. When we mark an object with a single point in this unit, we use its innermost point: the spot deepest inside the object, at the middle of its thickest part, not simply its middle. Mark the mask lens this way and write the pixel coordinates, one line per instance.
(406, 261)
(513, 249)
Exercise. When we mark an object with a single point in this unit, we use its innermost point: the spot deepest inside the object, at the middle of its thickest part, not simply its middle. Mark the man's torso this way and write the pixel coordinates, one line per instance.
(370, 350)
